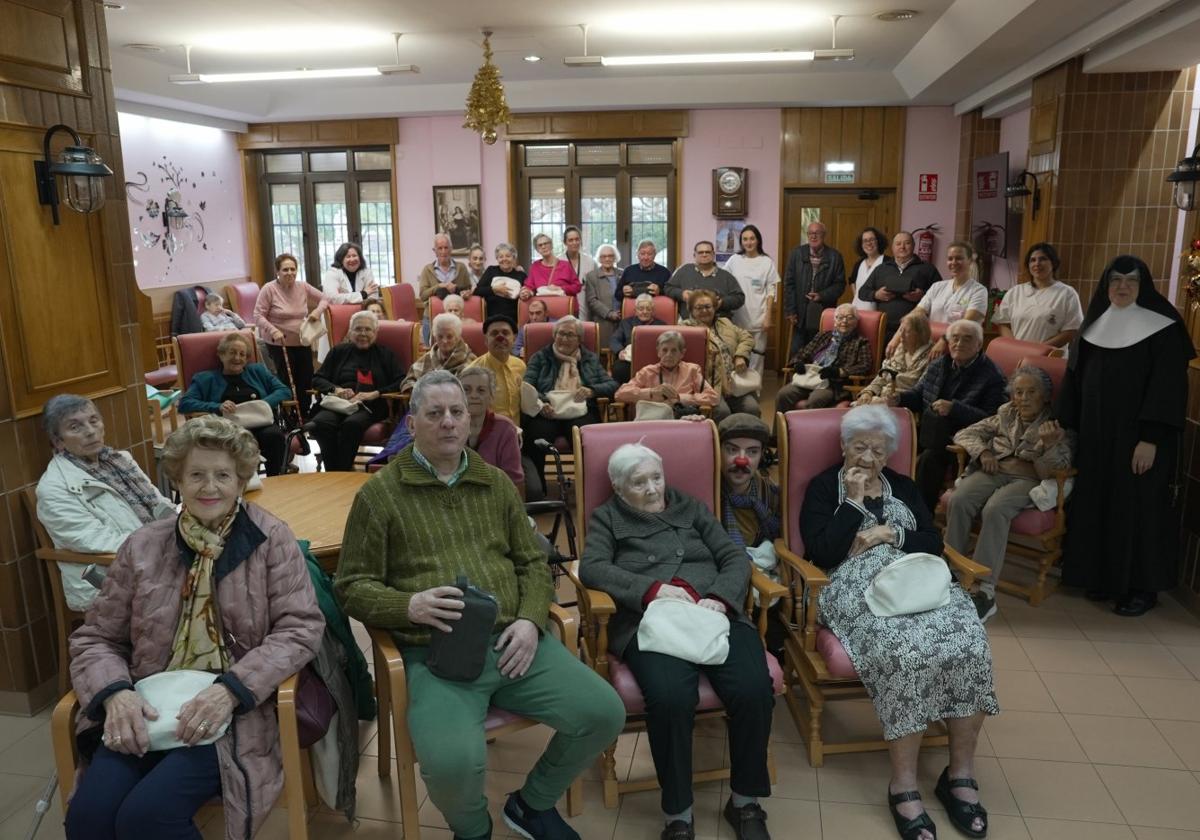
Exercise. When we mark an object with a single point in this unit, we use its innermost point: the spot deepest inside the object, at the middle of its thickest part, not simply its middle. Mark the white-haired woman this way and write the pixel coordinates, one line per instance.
(500, 286)
(857, 518)
(453, 303)
(671, 380)
(447, 351)
(91, 496)
(600, 291)
(1011, 453)
(361, 371)
(699, 563)
(840, 353)
(619, 341)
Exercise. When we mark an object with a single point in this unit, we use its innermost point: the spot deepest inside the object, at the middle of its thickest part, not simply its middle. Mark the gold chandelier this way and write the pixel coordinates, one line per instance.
(486, 106)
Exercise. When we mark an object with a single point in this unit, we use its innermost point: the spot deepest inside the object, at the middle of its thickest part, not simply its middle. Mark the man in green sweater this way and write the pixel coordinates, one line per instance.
(435, 512)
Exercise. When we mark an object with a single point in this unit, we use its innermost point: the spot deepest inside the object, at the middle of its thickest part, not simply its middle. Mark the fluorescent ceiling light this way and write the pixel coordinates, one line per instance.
(688, 58)
(288, 75)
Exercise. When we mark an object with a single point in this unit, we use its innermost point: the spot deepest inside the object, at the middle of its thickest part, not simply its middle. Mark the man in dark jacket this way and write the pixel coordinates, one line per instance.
(814, 280)
(958, 389)
(186, 306)
(643, 277)
(704, 273)
(896, 287)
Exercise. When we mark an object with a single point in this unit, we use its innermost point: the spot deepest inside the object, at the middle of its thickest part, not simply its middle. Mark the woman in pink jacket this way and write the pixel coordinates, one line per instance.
(281, 309)
(550, 271)
(222, 588)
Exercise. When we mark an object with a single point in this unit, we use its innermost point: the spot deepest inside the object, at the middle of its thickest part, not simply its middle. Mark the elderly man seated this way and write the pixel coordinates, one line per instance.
(620, 343)
(958, 389)
(436, 512)
(1011, 452)
(839, 353)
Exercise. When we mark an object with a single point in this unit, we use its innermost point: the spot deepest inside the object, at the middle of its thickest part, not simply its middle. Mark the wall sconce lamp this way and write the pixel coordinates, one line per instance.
(81, 169)
(1185, 176)
(1016, 192)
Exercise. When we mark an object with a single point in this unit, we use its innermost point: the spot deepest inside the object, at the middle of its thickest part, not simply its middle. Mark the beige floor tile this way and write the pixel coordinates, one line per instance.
(1035, 622)
(1153, 797)
(1041, 829)
(997, 626)
(1165, 699)
(13, 728)
(18, 793)
(1022, 691)
(1184, 738)
(1174, 626)
(1064, 656)
(29, 756)
(1059, 790)
(1103, 625)
(854, 777)
(1125, 741)
(1042, 735)
(794, 777)
(1008, 654)
(1091, 695)
(857, 821)
(783, 726)
(1189, 656)
(1129, 659)
(785, 818)
(16, 826)
(1143, 833)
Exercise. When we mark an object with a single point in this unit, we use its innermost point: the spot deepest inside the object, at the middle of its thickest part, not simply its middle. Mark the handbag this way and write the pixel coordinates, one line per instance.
(684, 630)
(253, 414)
(460, 656)
(508, 284)
(915, 583)
(810, 379)
(167, 691)
(340, 405)
(565, 406)
(651, 410)
(315, 707)
(311, 331)
(742, 382)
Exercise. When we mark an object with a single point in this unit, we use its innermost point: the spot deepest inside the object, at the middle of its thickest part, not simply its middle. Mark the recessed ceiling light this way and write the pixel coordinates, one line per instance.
(114, 7)
(533, 58)
(893, 15)
(145, 47)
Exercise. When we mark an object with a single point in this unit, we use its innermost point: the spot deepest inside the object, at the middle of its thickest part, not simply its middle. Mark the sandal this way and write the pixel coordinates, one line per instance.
(910, 829)
(961, 813)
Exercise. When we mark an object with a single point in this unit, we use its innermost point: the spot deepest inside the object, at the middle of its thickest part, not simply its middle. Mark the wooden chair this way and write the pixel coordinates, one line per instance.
(391, 690)
(691, 460)
(814, 659)
(400, 302)
(872, 326)
(299, 792)
(1007, 353)
(665, 309)
(1033, 534)
(65, 618)
(557, 306)
(241, 297)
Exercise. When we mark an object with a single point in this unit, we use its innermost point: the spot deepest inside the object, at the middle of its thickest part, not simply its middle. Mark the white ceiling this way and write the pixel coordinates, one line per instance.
(960, 52)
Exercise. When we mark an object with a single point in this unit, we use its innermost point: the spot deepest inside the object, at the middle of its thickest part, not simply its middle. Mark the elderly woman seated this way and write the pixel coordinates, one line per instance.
(729, 351)
(1011, 452)
(672, 382)
(223, 588)
(216, 317)
(699, 564)
(91, 496)
(241, 381)
(839, 354)
(492, 435)
(358, 372)
(453, 304)
(905, 365)
(448, 351)
(620, 341)
(859, 517)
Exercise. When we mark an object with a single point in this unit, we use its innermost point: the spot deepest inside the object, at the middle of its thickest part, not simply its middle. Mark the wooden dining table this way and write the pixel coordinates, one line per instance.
(315, 507)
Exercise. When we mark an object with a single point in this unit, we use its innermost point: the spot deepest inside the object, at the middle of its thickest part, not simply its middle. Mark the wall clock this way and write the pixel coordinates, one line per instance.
(730, 192)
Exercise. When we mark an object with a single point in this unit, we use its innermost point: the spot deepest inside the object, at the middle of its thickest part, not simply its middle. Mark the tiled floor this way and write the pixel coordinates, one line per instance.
(1099, 739)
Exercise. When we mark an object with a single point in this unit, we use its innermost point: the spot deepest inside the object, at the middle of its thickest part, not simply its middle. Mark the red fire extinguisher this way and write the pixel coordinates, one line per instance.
(925, 239)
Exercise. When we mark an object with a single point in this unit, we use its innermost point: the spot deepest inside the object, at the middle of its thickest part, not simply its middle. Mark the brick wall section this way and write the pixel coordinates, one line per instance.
(978, 138)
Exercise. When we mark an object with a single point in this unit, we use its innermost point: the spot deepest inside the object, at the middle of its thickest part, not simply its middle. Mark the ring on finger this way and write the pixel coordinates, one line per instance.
(204, 725)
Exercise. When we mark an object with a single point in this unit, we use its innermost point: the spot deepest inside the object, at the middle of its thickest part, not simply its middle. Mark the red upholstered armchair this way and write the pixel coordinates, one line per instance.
(1007, 353)
(557, 306)
(400, 302)
(691, 460)
(241, 297)
(198, 351)
(473, 308)
(815, 663)
(539, 335)
(872, 326)
(665, 309)
(644, 351)
(337, 320)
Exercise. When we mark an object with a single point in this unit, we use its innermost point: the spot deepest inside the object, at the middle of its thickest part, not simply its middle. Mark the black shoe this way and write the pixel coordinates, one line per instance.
(749, 822)
(985, 605)
(909, 829)
(1136, 603)
(961, 813)
(678, 830)
(536, 825)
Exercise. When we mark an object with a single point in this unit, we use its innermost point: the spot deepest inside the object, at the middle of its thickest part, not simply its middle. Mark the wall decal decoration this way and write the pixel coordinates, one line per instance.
(180, 226)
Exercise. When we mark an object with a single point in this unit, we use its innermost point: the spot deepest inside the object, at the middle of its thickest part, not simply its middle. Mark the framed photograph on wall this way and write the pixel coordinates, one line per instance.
(456, 214)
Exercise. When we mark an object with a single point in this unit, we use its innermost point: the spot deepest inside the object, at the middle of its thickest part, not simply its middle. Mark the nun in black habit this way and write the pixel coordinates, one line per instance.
(1125, 395)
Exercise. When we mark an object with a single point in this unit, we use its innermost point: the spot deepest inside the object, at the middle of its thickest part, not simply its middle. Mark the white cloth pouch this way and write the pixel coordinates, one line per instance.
(531, 403)
(650, 410)
(311, 331)
(550, 291)
(742, 382)
(565, 406)
(253, 414)
(810, 379)
(341, 406)
(167, 691)
(915, 583)
(510, 285)
(684, 630)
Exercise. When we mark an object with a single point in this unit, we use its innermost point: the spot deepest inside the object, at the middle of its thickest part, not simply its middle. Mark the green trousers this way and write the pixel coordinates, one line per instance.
(445, 719)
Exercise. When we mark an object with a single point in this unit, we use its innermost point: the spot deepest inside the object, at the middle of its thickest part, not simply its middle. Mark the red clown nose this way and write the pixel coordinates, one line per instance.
(741, 461)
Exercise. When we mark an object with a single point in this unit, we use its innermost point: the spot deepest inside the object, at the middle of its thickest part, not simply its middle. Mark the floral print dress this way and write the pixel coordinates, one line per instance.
(916, 668)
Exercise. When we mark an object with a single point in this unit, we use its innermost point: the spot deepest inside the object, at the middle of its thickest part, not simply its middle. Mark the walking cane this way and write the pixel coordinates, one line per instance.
(42, 806)
(287, 363)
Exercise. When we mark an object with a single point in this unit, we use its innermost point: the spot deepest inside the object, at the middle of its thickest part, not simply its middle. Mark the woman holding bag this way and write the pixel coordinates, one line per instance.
(698, 564)
(280, 314)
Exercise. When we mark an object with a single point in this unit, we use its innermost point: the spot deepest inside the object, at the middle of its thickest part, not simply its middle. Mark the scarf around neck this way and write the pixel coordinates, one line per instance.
(125, 477)
(198, 643)
(568, 371)
(759, 498)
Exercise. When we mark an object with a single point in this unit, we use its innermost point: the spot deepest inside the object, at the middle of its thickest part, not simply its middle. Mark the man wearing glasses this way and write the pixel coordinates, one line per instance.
(704, 273)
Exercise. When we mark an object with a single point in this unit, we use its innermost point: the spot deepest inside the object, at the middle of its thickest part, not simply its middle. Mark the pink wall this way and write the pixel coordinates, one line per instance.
(1014, 139)
(207, 167)
(727, 137)
(931, 147)
(439, 151)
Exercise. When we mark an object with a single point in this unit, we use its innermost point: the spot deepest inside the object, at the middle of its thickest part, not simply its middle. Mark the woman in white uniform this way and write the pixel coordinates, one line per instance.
(756, 274)
(1044, 309)
(870, 246)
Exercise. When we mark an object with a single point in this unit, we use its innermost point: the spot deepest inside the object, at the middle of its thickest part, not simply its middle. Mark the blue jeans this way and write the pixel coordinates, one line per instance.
(149, 798)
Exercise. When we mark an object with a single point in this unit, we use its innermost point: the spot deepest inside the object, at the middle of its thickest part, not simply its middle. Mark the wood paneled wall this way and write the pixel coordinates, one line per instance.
(69, 303)
(598, 125)
(320, 133)
(871, 138)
